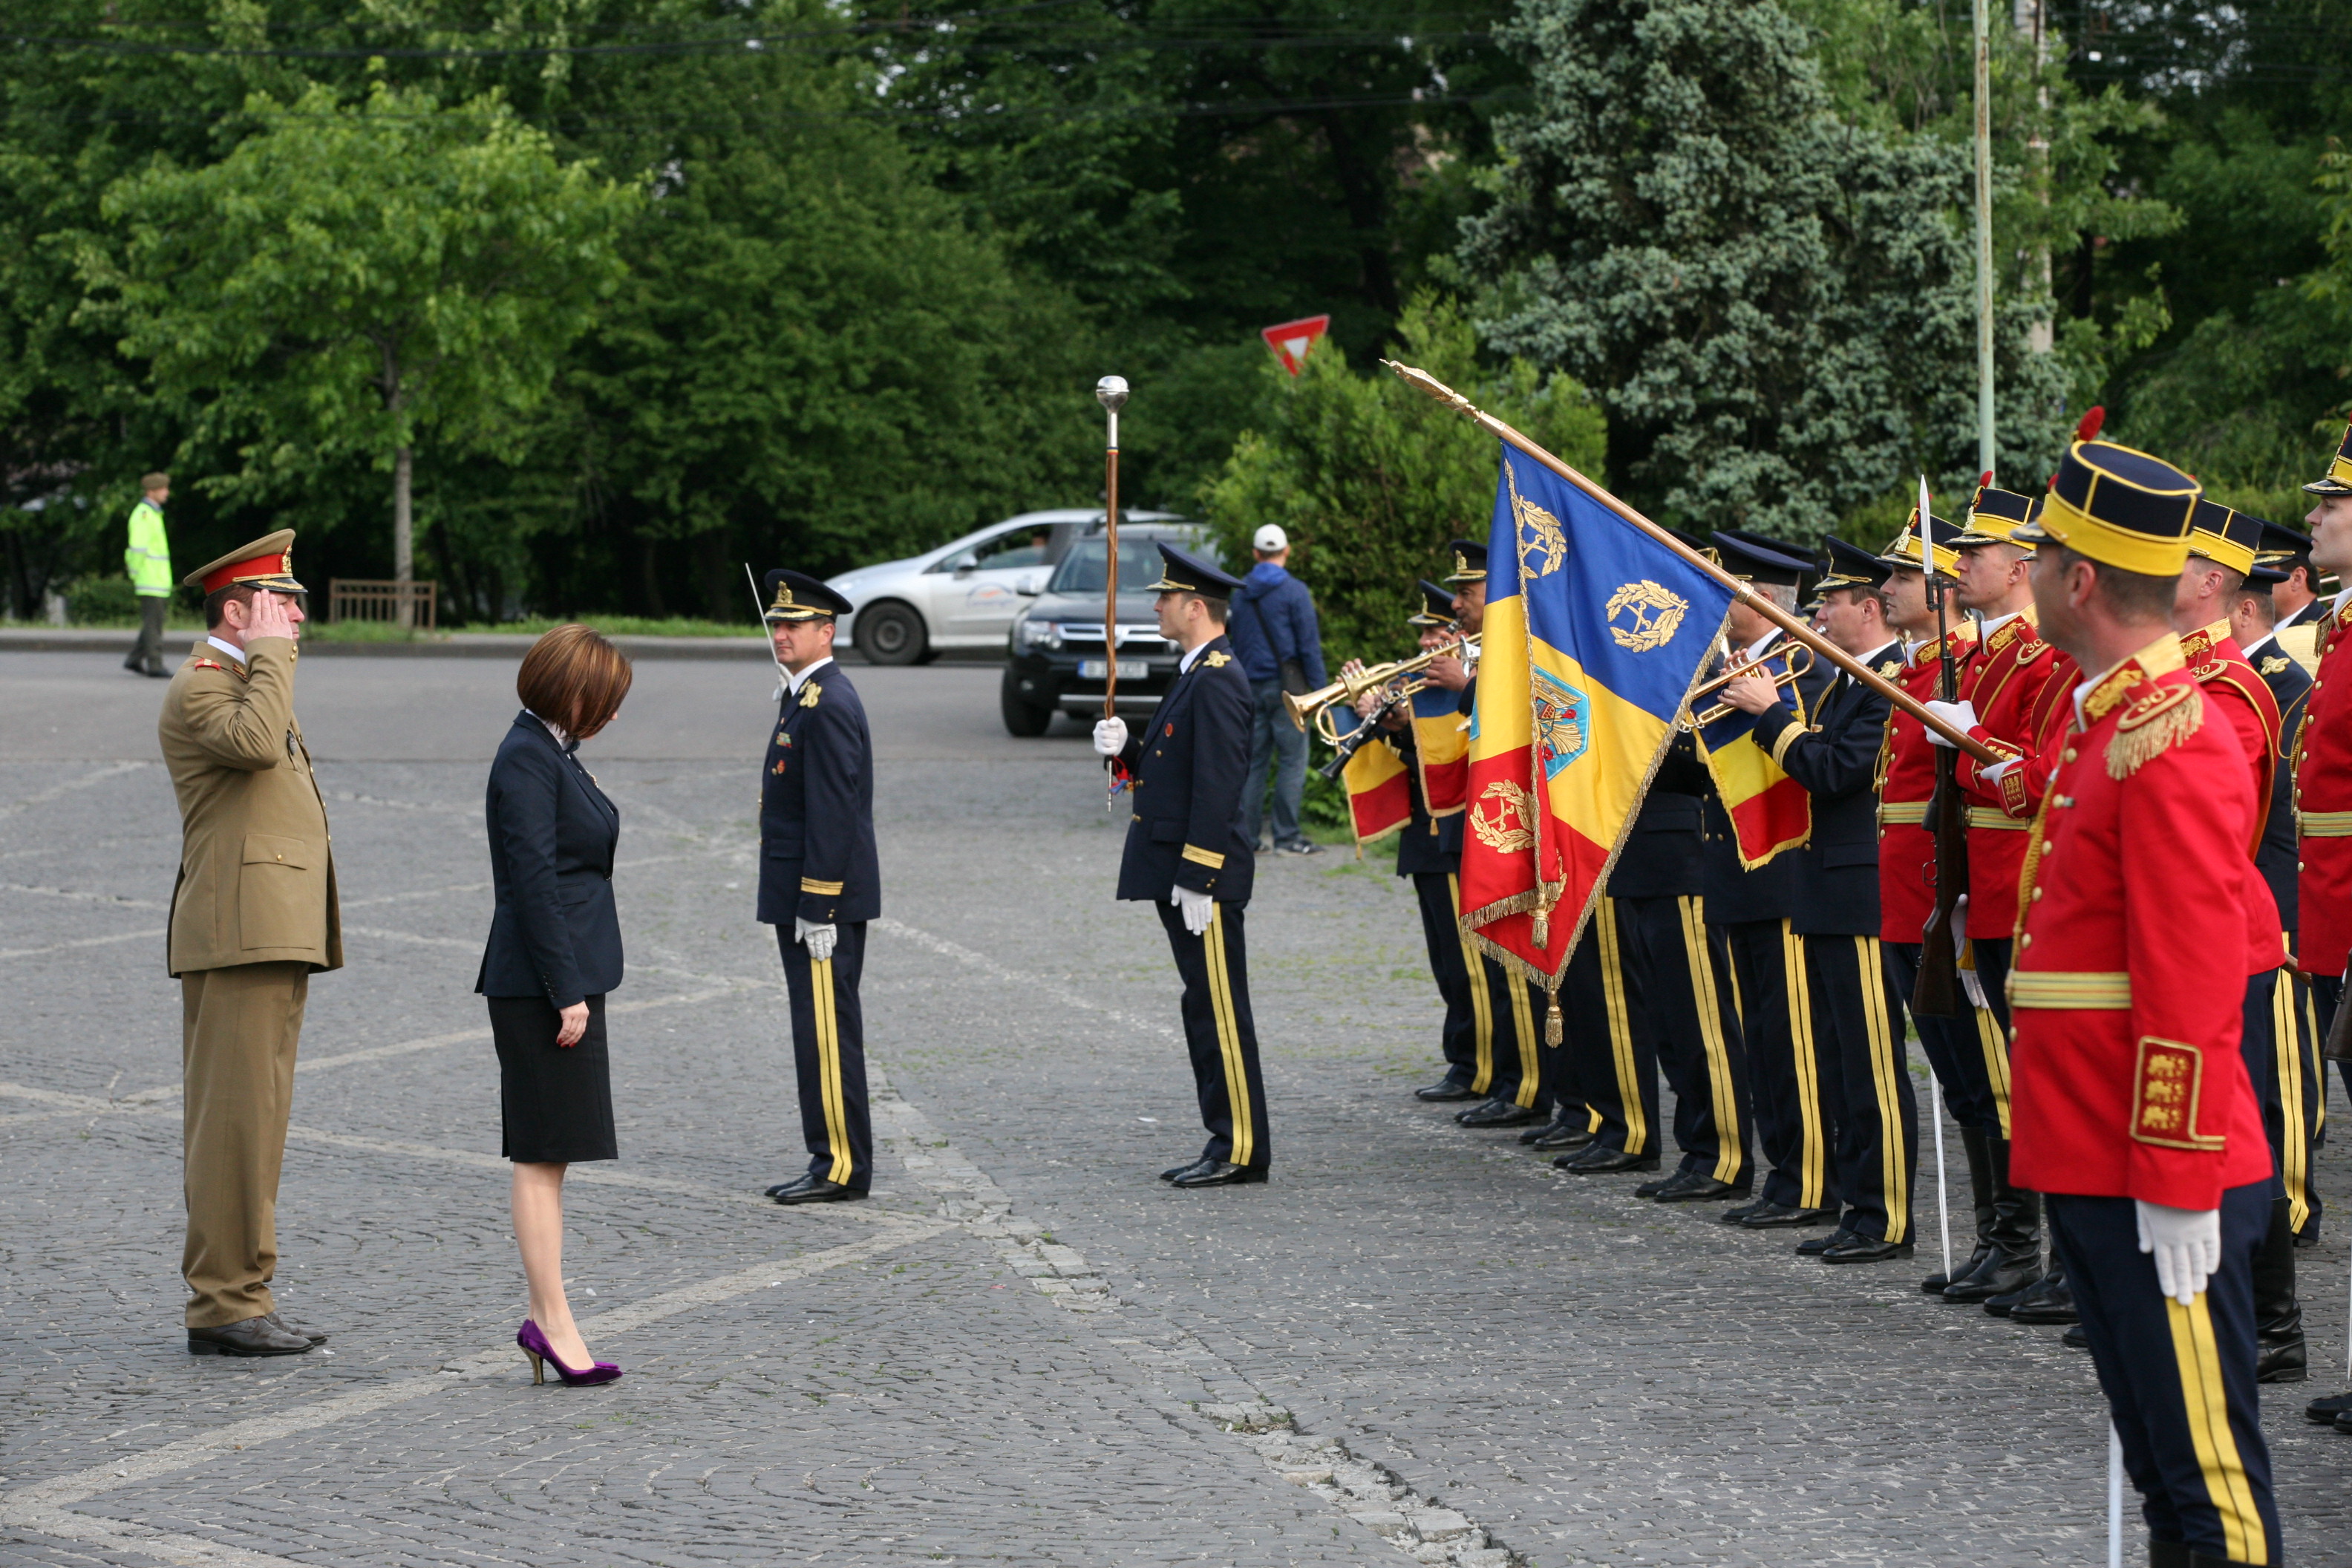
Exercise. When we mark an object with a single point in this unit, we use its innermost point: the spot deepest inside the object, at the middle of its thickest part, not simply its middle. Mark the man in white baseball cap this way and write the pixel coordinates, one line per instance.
(1274, 635)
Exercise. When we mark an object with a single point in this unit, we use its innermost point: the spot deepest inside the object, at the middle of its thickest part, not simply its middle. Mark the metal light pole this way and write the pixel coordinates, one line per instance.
(1984, 239)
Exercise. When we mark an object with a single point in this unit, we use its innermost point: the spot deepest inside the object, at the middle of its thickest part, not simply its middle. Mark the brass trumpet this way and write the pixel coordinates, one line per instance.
(1317, 706)
(1787, 678)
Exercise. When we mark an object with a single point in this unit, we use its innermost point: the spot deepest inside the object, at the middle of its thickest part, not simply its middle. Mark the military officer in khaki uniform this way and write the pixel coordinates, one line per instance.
(253, 917)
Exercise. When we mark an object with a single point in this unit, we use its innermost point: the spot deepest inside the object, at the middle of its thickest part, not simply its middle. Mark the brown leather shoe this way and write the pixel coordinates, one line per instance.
(255, 1336)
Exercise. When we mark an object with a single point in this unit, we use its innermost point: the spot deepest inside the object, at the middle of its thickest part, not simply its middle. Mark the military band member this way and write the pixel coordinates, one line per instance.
(1429, 850)
(2132, 1109)
(1857, 1013)
(1527, 1082)
(2000, 689)
(254, 915)
(1752, 910)
(1188, 853)
(2295, 597)
(819, 883)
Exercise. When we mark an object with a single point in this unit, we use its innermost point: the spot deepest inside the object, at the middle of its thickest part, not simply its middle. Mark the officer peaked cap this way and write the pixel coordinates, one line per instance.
(1181, 571)
(797, 596)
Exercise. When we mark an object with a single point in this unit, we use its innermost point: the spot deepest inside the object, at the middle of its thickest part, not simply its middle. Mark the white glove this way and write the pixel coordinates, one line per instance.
(1110, 737)
(1991, 774)
(820, 938)
(1961, 716)
(1199, 909)
(2186, 1244)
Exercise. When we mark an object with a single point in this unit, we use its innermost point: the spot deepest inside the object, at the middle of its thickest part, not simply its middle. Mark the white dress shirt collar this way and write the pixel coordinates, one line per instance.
(797, 681)
(229, 648)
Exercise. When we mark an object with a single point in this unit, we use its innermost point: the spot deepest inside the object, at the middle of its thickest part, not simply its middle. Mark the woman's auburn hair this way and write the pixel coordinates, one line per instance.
(574, 676)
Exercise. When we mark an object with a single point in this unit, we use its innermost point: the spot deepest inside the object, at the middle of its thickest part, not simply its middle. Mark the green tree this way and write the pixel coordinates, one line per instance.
(353, 280)
(1370, 480)
(1774, 303)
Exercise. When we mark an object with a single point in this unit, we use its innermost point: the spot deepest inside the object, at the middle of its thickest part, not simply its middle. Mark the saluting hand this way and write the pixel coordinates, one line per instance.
(272, 615)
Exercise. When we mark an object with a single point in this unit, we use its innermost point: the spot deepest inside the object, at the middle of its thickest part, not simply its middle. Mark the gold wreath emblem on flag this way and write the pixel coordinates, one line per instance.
(1656, 615)
(1537, 532)
(1497, 832)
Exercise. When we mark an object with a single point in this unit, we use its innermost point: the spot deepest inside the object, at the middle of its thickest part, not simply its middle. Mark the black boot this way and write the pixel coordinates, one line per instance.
(2279, 1354)
(1972, 1145)
(2015, 1260)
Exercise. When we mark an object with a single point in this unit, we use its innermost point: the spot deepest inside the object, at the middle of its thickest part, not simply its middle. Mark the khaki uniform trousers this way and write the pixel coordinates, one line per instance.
(240, 1027)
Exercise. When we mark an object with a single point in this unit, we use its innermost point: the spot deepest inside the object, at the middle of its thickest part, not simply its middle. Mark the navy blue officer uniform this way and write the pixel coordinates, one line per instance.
(1429, 851)
(818, 868)
(1186, 768)
(1856, 1008)
(1754, 912)
(1524, 1079)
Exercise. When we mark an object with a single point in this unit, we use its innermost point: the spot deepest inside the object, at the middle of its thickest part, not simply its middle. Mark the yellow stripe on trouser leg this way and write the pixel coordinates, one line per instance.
(1523, 1024)
(1729, 1140)
(1996, 1058)
(2294, 1147)
(1229, 1040)
(828, 1069)
(2313, 1064)
(1812, 1160)
(2208, 1409)
(1885, 1061)
(1620, 1032)
(1482, 1003)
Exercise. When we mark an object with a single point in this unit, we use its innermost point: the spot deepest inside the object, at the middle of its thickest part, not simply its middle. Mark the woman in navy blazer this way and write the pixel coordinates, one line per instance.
(554, 951)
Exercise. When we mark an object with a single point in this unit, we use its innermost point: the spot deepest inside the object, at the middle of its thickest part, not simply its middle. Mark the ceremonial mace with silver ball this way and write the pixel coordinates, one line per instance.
(1111, 392)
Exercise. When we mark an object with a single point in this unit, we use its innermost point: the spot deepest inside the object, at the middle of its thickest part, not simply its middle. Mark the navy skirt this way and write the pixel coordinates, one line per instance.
(555, 1102)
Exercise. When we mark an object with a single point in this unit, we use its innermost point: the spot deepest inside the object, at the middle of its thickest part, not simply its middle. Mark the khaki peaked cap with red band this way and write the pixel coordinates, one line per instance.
(267, 563)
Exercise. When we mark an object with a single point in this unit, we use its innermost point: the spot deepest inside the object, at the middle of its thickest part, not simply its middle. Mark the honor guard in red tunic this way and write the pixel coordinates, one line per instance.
(2131, 1107)
(2223, 546)
(1998, 697)
(2323, 784)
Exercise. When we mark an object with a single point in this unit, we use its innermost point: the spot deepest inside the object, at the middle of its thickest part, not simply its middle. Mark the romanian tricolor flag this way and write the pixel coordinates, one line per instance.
(1441, 748)
(1594, 635)
(1380, 796)
(1769, 811)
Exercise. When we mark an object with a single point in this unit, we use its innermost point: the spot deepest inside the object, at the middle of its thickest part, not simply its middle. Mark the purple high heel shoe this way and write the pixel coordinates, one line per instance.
(534, 1345)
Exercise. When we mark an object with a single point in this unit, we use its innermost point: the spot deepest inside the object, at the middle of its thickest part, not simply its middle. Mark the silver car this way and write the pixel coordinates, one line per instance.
(964, 593)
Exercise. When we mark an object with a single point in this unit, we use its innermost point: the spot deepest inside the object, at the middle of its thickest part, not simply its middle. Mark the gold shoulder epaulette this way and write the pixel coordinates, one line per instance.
(2154, 723)
(1216, 660)
(2276, 665)
(809, 696)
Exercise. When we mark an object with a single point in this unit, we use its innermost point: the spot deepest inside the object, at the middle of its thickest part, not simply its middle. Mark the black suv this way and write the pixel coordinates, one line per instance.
(1055, 658)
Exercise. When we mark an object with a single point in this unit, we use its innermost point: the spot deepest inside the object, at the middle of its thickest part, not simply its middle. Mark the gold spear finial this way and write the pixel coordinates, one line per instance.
(1435, 388)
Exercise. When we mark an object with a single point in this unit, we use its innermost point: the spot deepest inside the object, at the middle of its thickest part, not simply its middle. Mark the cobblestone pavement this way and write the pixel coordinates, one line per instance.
(1414, 1343)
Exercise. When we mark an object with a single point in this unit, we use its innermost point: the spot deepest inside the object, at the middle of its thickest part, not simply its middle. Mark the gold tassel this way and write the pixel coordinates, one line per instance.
(1554, 1031)
(1542, 919)
(2140, 739)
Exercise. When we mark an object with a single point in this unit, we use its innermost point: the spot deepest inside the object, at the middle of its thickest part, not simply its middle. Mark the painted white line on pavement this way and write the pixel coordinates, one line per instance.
(55, 791)
(81, 942)
(79, 897)
(45, 1507)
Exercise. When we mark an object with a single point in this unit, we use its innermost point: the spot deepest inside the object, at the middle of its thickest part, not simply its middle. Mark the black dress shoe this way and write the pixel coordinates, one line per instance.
(1997, 1279)
(1814, 1247)
(1573, 1133)
(815, 1190)
(2284, 1360)
(1652, 1189)
(1498, 1113)
(313, 1335)
(2326, 1409)
(1775, 1217)
(2047, 1305)
(1739, 1216)
(1598, 1159)
(1935, 1283)
(1202, 1164)
(1217, 1173)
(1866, 1249)
(1445, 1089)
(2074, 1338)
(1697, 1187)
(255, 1336)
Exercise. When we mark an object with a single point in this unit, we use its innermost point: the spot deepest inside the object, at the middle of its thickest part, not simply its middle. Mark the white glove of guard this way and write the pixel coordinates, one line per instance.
(2186, 1244)
(819, 939)
(1961, 715)
(1110, 737)
(1199, 909)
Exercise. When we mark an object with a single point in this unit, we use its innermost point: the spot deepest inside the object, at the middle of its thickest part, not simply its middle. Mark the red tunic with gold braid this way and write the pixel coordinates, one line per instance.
(2126, 1077)
(2323, 804)
(1907, 780)
(2002, 683)
(2243, 698)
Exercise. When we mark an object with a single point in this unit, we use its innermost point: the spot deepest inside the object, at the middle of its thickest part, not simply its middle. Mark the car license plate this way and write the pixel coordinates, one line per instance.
(1128, 669)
